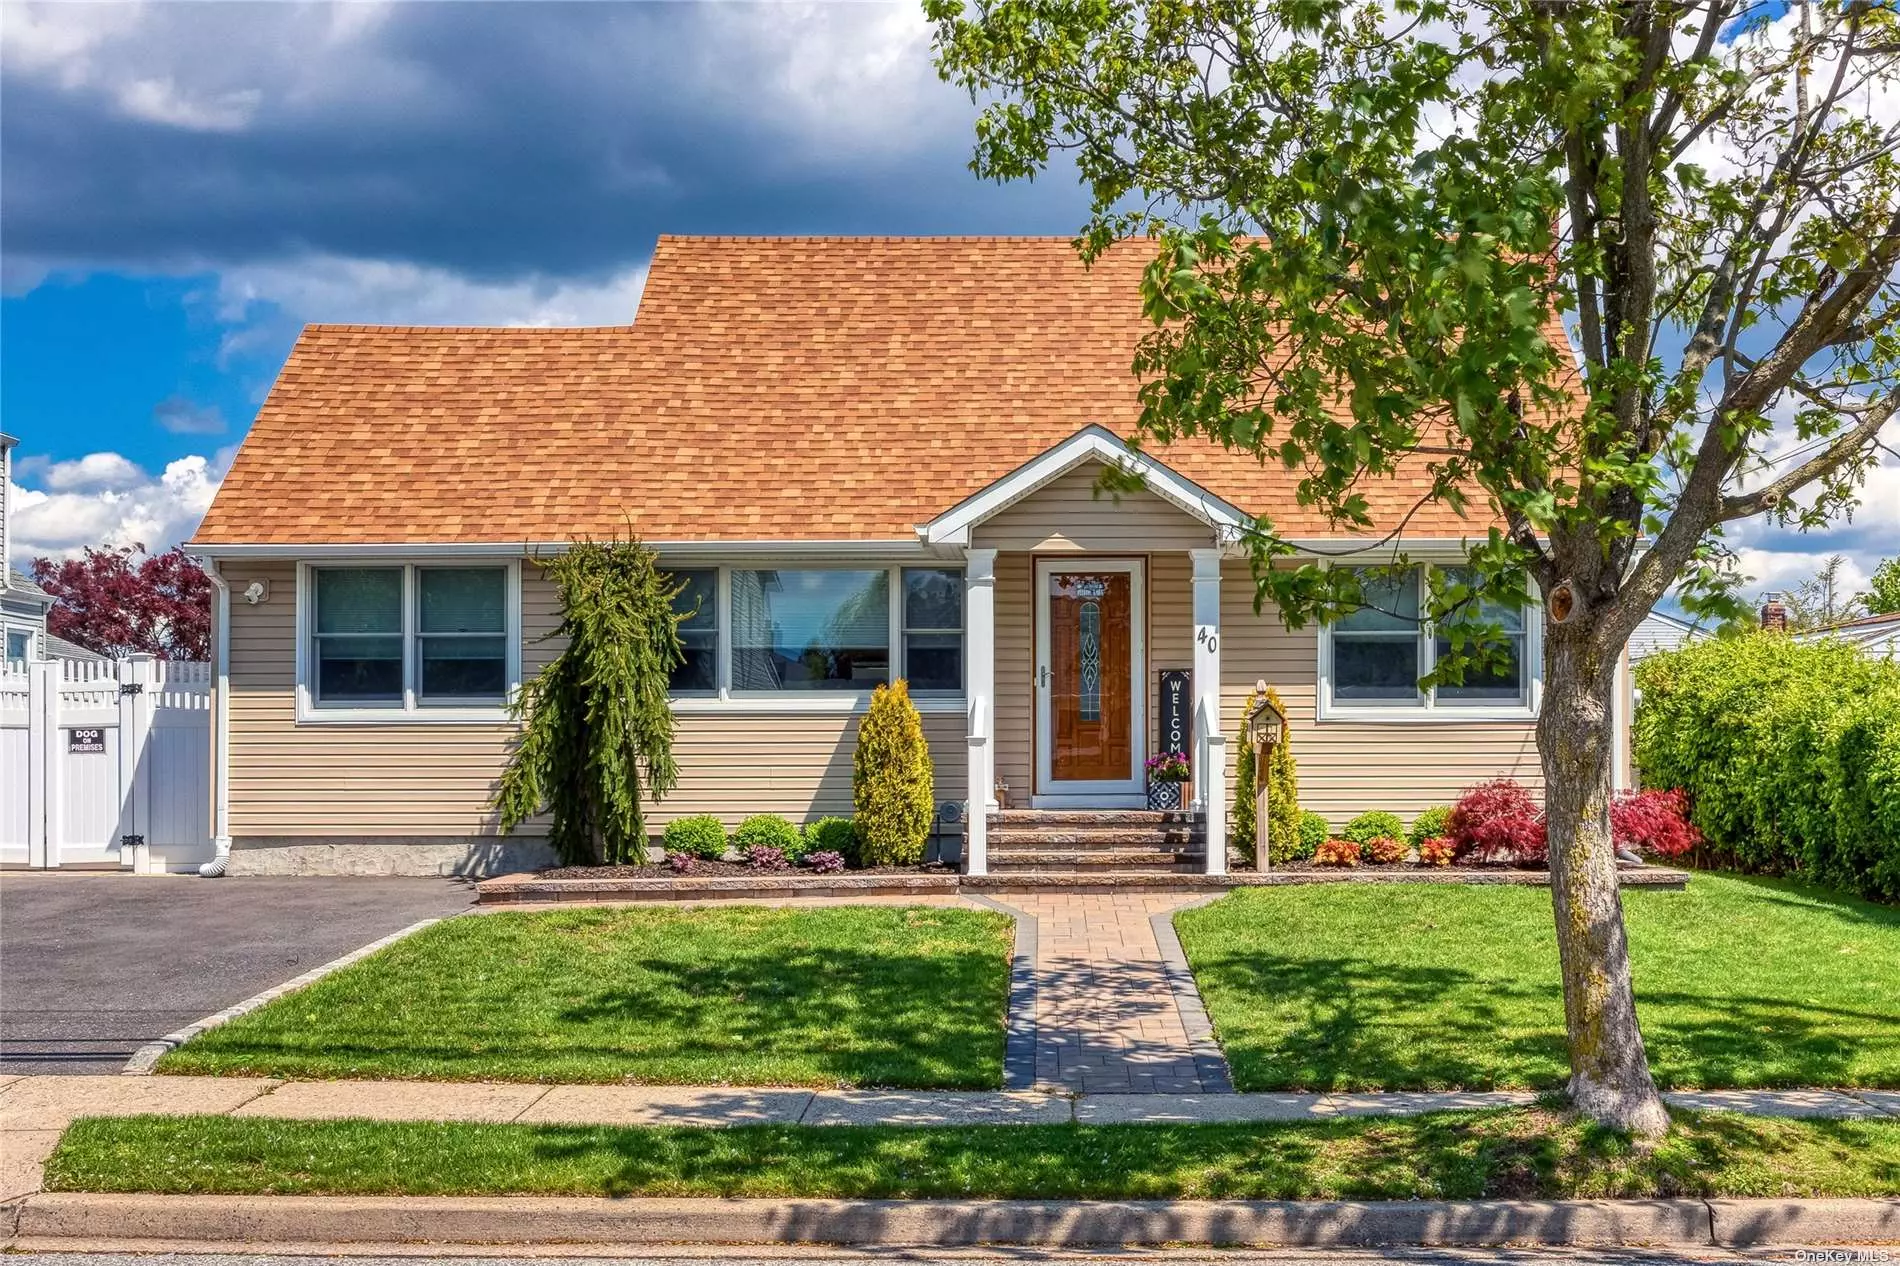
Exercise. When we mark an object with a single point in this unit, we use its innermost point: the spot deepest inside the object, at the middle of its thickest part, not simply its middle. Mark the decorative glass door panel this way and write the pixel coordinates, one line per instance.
(1091, 686)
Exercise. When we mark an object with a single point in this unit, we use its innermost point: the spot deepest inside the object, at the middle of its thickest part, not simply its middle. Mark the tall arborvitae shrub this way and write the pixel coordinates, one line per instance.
(598, 732)
(892, 796)
(1283, 795)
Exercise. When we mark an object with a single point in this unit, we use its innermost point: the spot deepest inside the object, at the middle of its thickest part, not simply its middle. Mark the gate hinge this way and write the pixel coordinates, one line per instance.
(131, 841)
(132, 688)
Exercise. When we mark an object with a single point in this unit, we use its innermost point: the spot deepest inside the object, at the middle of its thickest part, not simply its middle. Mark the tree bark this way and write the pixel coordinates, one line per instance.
(1609, 1069)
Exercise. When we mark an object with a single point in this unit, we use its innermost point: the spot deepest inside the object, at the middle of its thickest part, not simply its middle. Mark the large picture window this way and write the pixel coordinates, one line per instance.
(1372, 659)
(810, 629)
(818, 633)
(409, 639)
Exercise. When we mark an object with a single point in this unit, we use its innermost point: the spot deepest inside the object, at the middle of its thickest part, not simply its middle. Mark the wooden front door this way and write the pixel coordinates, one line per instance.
(1091, 619)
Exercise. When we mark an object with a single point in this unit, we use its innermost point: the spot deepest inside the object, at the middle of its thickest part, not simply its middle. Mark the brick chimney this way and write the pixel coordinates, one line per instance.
(1774, 615)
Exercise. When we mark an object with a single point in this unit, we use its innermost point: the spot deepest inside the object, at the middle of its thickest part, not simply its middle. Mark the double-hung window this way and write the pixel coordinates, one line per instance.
(751, 632)
(408, 639)
(933, 629)
(1373, 658)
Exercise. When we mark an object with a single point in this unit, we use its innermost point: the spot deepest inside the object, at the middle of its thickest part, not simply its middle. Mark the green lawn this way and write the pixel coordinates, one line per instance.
(848, 995)
(1519, 1153)
(1739, 982)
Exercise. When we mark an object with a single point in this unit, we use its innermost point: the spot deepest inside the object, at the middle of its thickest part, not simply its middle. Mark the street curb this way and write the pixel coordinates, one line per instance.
(1045, 1224)
(147, 1056)
(1748, 1223)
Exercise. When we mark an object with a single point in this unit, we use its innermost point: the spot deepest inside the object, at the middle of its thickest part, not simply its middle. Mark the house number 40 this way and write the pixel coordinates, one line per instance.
(1208, 638)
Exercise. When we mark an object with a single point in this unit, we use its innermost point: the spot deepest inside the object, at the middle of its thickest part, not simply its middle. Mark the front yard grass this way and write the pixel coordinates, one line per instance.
(1740, 982)
(909, 996)
(1522, 1153)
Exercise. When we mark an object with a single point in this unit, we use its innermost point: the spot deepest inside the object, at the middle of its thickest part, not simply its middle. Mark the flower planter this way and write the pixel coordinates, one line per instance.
(1164, 794)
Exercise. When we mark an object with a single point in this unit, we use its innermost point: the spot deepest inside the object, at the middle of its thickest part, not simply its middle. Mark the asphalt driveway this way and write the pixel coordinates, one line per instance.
(92, 966)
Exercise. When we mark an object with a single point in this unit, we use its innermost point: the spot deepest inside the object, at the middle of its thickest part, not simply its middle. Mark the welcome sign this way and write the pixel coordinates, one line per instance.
(1176, 722)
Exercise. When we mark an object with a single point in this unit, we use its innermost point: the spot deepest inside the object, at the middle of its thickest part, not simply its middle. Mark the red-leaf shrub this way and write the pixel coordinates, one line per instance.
(1436, 851)
(1384, 850)
(1337, 853)
(1654, 822)
(1498, 821)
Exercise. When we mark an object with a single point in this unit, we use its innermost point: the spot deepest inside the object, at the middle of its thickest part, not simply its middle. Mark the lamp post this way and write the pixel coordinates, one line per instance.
(1265, 728)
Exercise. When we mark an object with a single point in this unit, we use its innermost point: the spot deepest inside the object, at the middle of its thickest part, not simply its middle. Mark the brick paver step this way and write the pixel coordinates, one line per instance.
(1123, 862)
(1084, 837)
(1094, 817)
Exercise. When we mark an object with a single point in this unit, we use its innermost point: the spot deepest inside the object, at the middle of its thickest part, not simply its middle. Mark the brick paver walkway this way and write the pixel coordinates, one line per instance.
(1108, 1020)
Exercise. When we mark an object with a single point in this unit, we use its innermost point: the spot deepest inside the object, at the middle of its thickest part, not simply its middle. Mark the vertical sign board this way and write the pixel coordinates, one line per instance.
(86, 741)
(1177, 725)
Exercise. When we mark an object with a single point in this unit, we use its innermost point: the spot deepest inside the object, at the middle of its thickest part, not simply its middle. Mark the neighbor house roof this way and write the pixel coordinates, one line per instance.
(777, 389)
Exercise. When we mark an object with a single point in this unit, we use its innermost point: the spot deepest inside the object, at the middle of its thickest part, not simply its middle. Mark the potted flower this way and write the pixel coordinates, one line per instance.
(1167, 771)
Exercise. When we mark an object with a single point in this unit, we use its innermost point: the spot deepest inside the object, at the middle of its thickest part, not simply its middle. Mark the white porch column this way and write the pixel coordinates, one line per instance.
(1210, 748)
(979, 684)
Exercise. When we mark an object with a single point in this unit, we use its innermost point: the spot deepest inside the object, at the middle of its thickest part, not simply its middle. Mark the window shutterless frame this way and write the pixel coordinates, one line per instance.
(410, 709)
(1428, 709)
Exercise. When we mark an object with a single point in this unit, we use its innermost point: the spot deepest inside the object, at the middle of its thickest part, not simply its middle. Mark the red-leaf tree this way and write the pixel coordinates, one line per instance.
(122, 602)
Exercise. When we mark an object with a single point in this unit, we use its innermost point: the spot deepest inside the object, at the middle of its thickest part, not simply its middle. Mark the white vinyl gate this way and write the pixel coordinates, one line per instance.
(105, 764)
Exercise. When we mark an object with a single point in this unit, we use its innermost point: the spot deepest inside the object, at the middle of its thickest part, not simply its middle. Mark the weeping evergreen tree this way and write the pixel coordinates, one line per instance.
(598, 732)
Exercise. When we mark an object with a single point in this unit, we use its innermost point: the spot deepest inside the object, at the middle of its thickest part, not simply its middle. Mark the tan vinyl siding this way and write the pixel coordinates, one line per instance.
(1346, 767)
(1016, 675)
(1066, 515)
(396, 780)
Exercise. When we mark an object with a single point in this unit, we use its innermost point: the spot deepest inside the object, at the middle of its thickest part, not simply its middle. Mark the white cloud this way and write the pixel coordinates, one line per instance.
(161, 101)
(330, 288)
(93, 472)
(67, 514)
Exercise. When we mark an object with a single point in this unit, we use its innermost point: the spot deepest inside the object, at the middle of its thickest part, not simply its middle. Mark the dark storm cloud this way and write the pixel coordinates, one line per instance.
(492, 140)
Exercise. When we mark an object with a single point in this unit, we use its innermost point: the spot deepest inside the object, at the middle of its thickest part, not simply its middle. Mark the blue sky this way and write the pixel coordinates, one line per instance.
(182, 186)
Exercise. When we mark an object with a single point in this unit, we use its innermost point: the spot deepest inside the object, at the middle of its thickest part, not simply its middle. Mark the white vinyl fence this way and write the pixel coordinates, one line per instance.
(105, 764)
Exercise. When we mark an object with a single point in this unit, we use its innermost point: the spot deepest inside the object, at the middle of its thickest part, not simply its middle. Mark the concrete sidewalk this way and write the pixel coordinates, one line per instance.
(34, 1110)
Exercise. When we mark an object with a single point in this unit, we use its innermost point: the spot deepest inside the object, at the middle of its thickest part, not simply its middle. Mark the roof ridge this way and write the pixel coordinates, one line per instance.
(357, 327)
(1063, 238)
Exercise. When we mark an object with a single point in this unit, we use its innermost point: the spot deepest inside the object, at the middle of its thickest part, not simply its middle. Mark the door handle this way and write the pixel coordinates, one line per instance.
(1042, 676)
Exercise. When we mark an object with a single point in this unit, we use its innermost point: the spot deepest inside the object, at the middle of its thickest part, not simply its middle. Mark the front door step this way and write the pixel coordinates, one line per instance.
(1097, 842)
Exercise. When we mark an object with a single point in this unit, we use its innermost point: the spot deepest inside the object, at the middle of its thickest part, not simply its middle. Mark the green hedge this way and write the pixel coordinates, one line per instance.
(1790, 753)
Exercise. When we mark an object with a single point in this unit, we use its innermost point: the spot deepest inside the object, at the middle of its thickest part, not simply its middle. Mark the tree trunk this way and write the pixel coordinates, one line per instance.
(1609, 1070)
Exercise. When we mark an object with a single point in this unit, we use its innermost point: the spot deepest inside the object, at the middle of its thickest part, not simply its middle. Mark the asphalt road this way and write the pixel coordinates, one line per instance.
(92, 966)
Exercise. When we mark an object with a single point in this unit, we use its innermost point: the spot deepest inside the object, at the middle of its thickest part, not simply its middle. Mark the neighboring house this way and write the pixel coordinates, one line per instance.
(1877, 635)
(868, 458)
(1660, 632)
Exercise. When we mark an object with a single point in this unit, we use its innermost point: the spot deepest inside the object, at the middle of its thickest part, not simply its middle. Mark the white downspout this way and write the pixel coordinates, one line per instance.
(220, 723)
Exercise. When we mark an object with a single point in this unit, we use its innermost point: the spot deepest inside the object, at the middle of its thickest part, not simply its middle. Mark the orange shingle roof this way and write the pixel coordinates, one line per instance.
(770, 389)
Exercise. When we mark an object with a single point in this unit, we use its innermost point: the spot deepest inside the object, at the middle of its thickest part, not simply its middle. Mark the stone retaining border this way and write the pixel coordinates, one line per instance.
(529, 889)
(43, 1221)
(1210, 1064)
(1019, 1044)
(147, 1056)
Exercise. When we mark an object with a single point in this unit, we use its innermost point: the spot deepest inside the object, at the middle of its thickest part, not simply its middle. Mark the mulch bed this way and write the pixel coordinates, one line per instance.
(728, 870)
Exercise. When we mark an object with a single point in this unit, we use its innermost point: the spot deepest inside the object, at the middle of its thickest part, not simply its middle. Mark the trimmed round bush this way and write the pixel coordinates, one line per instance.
(1315, 830)
(1373, 825)
(1429, 824)
(701, 835)
(832, 835)
(767, 830)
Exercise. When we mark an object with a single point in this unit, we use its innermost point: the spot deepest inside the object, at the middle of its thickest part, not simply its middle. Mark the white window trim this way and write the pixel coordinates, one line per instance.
(729, 702)
(410, 711)
(32, 642)
(1428, 711)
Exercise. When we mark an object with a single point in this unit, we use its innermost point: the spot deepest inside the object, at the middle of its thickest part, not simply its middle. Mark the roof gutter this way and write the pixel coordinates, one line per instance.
(683, 550)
